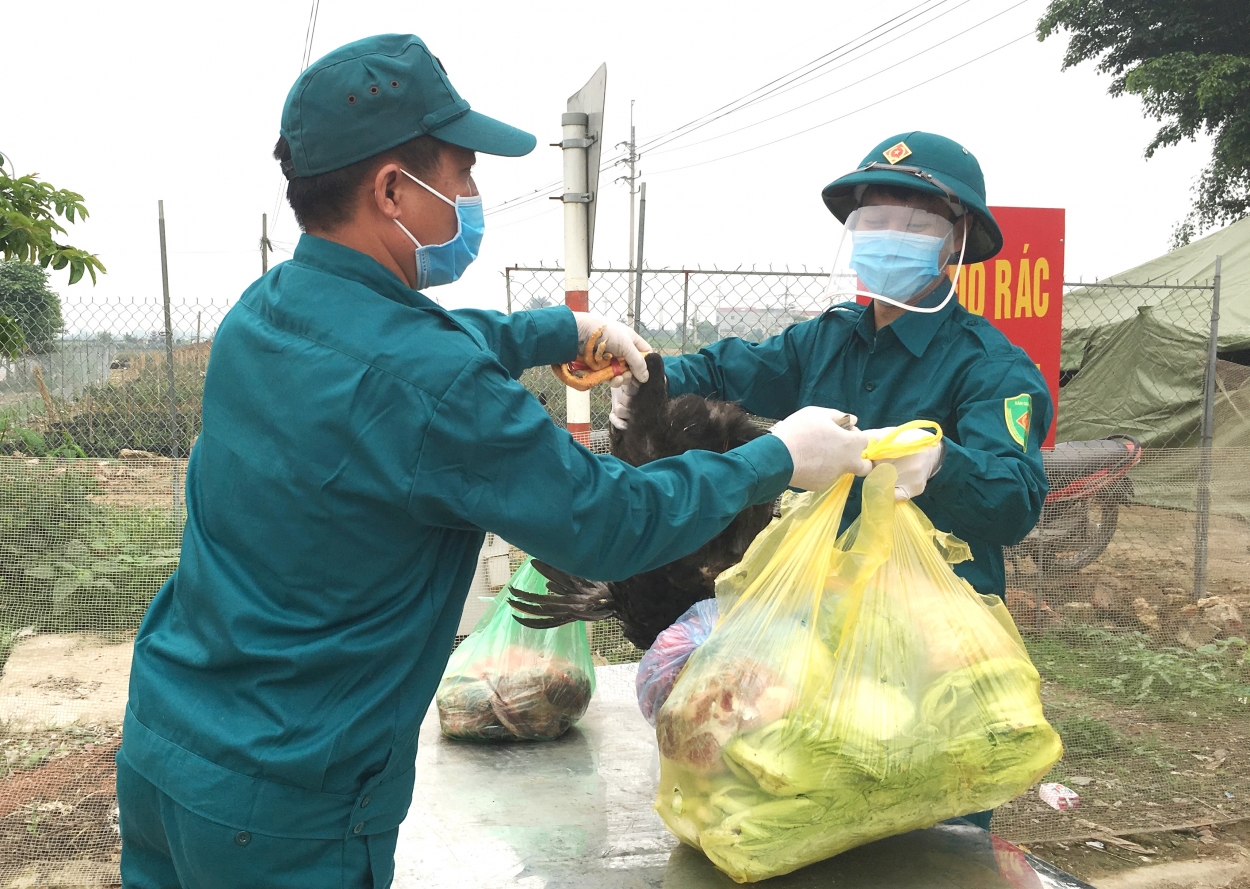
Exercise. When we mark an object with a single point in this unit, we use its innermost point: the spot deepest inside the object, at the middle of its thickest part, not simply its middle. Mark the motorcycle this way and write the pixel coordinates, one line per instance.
(1088, 484)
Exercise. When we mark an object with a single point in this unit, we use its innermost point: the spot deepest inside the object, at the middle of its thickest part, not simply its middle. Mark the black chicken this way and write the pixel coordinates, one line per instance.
(650, 602)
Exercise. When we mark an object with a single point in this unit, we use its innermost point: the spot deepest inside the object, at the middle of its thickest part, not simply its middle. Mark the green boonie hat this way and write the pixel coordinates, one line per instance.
(371, 95)
(929, 163)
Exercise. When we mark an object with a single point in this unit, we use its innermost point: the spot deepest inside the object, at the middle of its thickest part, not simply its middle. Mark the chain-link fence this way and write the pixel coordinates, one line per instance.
(1147, 684)
(94, 430)
(111, 383)
(676, 310)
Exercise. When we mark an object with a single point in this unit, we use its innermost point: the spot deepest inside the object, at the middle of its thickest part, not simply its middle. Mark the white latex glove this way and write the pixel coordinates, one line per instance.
(915, 470)
(822, 451)
(622, 395)
(623, 342)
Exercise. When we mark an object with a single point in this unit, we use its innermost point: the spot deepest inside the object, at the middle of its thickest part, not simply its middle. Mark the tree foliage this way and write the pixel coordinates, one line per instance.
(29, 226)
(1189, 62)
(12, 343)
(30, 306)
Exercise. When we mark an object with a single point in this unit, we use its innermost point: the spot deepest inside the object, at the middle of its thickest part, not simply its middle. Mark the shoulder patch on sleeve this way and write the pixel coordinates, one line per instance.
(1018, 414)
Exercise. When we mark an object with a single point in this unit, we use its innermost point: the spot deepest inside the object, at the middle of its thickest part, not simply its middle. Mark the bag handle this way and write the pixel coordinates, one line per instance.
(891, 446)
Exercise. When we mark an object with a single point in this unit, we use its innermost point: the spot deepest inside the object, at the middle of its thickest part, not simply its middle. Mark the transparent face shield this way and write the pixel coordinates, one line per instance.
(897, 254)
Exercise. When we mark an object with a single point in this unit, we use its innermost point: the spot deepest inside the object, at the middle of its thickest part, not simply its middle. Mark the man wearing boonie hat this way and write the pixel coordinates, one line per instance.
(357, 442)
(914, 207)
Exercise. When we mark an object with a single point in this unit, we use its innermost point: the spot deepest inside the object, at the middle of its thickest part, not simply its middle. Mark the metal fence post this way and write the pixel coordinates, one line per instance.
(685, 305)
(1208, 433)
(642, 221)
(169, 352)
(507, 283)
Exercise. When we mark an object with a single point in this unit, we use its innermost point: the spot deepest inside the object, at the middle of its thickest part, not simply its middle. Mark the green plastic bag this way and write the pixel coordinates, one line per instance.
(506, 682)
(853, 688)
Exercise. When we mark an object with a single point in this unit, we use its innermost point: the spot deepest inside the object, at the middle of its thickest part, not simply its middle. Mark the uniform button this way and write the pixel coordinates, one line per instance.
(869, 386)
(365, 802)
(359, 827)
(243, 838)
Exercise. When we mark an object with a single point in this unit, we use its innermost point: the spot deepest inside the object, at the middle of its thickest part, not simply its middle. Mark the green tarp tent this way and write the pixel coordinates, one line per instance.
(1135, 354)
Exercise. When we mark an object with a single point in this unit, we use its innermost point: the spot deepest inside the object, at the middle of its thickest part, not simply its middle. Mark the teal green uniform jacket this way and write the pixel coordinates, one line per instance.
(951, 367)
(358, 440)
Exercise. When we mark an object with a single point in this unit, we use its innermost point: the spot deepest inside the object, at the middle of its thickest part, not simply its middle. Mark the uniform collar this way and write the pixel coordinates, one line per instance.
(344, 262)
(914, 330)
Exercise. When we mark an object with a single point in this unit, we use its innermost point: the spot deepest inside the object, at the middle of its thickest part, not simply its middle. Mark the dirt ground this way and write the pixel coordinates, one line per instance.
(148, 482)
(1151, 554)
(62, 697)
(60, 679)
(1212, 857)
(58, 808)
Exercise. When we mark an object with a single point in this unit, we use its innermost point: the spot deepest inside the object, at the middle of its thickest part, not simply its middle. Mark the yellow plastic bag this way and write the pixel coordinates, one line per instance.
(853, 689)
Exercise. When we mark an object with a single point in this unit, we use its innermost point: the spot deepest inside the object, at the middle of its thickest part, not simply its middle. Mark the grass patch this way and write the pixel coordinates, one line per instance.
(1169, 681)
(70, 564)
(1095, 748)
(1085, 736)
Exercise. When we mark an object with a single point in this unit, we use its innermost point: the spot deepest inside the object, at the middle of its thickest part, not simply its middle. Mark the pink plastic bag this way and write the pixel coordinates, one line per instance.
(668, 654)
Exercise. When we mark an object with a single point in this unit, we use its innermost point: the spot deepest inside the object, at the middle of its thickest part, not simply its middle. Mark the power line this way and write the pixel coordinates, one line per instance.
(825, 71)
(791, 78)
(849, 113)
(551, 188)
(305, 60)
(543, 212)
(853, 83)
(797, 77)
(308, 35)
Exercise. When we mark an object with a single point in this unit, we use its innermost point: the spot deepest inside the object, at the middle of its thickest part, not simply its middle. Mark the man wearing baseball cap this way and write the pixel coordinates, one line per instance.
(357, 442)
(914, 208)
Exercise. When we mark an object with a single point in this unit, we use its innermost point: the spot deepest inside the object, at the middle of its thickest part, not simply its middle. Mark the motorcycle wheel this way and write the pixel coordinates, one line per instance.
(1072, 556)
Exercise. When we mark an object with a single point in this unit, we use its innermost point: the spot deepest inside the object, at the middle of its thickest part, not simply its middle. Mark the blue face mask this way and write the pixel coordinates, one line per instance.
(898, 265)
(444, 263)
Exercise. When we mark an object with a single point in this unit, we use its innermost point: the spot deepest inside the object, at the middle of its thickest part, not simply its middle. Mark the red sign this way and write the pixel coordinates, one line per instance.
(1020, 291)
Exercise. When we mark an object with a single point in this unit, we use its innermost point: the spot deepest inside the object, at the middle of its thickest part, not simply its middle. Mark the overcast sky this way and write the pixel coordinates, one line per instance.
(129, 103)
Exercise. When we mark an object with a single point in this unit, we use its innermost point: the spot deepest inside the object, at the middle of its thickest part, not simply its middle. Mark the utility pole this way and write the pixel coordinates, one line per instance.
(169, 346)
(632, 160)
(642, 221)
(265, 245)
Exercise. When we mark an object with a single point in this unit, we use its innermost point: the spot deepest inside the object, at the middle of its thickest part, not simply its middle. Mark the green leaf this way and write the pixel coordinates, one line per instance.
(12, 341)
(66, 586)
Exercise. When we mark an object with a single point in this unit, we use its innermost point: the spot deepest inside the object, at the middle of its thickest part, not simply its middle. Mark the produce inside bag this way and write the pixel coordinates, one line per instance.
(507, 682)
(663, 661)
(854, 688)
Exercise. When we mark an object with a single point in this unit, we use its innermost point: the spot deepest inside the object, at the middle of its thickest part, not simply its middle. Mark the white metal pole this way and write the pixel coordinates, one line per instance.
(576, 252)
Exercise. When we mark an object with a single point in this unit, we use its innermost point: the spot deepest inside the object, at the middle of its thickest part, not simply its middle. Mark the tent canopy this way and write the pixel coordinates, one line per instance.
(1135, 345)
(1089, 312)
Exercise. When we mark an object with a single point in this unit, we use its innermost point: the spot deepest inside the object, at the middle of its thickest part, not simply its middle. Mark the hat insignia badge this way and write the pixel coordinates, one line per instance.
(896, 153)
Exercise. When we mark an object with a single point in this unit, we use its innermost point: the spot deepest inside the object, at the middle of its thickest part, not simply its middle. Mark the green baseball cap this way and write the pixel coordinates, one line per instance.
(929, 163)
(371, 95)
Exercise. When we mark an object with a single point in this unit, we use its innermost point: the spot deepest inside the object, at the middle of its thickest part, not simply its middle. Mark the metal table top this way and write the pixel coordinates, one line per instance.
(576, 812)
